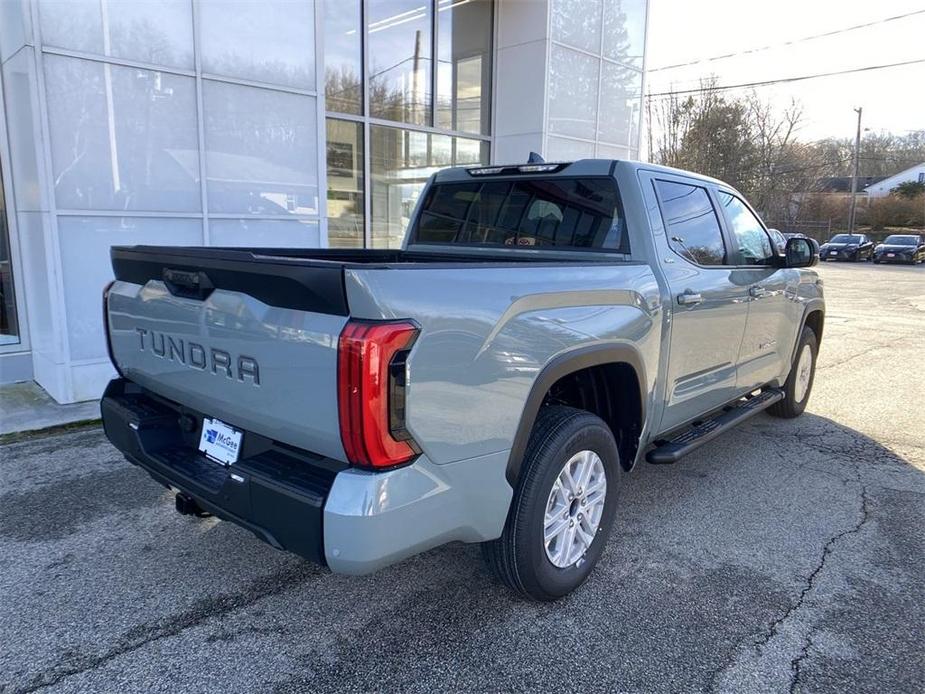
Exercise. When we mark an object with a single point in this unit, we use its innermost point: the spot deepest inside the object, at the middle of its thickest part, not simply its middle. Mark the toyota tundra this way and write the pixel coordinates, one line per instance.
(542, 330)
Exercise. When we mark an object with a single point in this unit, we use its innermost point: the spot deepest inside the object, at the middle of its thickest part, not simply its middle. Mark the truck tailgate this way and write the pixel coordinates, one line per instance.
(243, 346)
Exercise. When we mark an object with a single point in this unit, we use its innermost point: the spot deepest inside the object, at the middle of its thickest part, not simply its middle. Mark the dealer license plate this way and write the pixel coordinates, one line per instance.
(219, 441)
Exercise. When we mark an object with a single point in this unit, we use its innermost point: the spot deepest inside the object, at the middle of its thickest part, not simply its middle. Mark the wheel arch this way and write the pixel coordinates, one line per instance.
(583, 360)
(814, 317)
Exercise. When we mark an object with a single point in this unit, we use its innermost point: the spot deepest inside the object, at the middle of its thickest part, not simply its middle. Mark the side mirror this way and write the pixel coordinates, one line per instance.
(800, 253)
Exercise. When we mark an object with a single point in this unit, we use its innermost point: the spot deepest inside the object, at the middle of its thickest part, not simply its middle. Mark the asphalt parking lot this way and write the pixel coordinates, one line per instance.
(785, 556)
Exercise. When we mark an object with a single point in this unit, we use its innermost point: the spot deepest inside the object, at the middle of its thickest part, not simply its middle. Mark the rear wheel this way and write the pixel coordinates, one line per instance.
(799, 383)
(563, 506)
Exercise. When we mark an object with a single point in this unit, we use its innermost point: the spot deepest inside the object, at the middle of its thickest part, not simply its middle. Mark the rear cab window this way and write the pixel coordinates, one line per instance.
(537, 213)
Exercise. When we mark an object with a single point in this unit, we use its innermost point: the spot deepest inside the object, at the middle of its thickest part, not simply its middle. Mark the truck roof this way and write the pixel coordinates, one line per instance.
(580, 167)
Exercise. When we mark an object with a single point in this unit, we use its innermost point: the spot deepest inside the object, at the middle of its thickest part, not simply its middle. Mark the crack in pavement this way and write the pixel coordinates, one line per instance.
(810, 583)
(868, 350)
(797, 662)
(144, 634)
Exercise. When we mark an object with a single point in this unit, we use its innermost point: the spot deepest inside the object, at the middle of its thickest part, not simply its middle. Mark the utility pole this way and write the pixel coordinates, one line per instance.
(854, 179)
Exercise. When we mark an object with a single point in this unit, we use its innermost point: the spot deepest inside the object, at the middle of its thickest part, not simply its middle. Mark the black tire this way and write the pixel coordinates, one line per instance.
(790, 407)
(519, 558)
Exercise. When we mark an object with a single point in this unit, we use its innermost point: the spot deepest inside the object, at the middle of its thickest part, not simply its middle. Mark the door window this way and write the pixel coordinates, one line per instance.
(754, 242)
(691, 222)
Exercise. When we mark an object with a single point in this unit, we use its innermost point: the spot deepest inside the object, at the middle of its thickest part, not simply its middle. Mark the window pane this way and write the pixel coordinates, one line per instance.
(261, 150)
(562, 149)
(691, 223)
(345, 184)
(464, 66)
(19, 90)
(534, 213)
(612, 152)
(401, 162)
(754, 243)
(91, 237)
(621, 102)
(470, 152)
(625, 31)
(573, 82)
(578, 23)
(263, 233)
(152, 31)
(122, 138)
(264, 40)
(9, 328)
(399, 60)
(343, 56)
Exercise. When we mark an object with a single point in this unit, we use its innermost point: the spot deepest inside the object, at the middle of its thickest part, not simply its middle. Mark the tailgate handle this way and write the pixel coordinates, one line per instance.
(189, 285)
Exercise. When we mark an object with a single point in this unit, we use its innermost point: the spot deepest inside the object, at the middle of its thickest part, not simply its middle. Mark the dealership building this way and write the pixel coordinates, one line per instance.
(268, 123)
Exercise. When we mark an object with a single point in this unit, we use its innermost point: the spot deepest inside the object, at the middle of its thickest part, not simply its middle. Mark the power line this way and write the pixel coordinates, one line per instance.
(782, 80)
(812, 37)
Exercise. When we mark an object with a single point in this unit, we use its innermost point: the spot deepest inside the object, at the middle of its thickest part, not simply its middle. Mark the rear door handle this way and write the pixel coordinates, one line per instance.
(689, 298)
(757, 292)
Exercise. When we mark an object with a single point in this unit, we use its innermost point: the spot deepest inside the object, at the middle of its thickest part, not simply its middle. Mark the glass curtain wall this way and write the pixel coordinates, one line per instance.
(387, 133)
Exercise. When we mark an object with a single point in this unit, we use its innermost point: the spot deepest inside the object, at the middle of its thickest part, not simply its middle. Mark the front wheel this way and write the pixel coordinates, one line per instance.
(800, 381)
(563, 506)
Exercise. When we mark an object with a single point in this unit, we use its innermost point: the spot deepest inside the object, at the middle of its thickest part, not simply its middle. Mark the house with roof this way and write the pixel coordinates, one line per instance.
(883, 187)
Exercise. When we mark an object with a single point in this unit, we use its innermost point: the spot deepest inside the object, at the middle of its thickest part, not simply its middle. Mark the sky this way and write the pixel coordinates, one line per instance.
(893, 99)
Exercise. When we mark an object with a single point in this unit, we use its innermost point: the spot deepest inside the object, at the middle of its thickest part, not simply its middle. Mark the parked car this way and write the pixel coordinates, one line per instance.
(852, 247)
(901, 248)
(544, 328)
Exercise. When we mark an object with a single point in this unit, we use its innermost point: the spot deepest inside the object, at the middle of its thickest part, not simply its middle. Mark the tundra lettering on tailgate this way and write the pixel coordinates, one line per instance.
(197, 356)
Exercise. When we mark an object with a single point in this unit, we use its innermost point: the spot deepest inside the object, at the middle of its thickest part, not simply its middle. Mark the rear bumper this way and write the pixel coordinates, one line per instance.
(276, 493)
(351, 520)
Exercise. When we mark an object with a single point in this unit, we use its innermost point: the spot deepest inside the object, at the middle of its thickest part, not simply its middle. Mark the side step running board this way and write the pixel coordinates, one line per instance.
(672, 451)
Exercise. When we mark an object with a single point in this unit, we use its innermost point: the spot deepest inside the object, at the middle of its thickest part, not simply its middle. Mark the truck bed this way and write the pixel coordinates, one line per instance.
(306, 279)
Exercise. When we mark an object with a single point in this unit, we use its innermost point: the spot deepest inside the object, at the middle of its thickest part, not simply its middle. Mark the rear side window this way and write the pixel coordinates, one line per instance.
(568, 213)
(691, 222)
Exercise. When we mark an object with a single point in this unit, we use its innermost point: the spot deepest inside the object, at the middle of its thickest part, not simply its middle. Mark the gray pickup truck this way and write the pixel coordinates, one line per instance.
(544, 328)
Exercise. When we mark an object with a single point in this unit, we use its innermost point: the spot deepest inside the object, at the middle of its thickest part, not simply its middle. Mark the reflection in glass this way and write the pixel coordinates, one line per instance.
(345, 183)
(151, 31)
(269, 41)
(563, 149)
(578, 23)
(464, 65)
(754, 242)
(19, 85)
(621, 102)
(625, 31)
(691, 222)
(122, 138)
(9, 328)
(343, 56)
(612, 151)
(261, 150)
(401, 162)
(400, 40)
(573, 83)
(263, 233)
(91, 237)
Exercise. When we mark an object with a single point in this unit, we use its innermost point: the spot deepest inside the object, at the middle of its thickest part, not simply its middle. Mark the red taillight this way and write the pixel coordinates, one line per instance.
(112, 357)
(370, 384)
